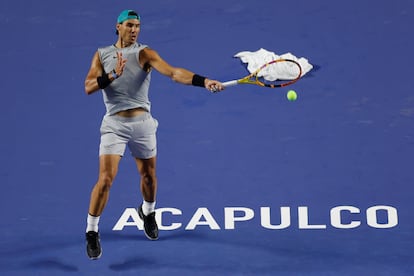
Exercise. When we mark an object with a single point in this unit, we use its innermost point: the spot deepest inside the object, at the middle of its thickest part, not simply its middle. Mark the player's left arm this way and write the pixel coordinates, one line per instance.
(177, 74)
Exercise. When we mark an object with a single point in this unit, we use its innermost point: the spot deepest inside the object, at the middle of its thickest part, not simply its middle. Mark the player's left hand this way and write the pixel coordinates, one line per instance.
(120, 64)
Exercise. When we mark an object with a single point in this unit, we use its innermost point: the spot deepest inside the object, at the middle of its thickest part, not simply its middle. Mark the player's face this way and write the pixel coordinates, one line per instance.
(129, 30)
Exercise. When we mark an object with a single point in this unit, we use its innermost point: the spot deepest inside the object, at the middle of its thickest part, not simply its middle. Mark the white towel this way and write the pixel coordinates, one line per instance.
(288, 72)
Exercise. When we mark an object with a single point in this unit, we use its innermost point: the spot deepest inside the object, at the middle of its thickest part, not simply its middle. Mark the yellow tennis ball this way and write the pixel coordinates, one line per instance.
(291, 95)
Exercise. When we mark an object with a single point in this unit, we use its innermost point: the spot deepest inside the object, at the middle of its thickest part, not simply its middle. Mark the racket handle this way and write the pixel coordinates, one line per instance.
(229, 83)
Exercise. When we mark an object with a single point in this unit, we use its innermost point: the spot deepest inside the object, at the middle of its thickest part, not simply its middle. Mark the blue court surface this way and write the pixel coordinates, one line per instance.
(249, 183)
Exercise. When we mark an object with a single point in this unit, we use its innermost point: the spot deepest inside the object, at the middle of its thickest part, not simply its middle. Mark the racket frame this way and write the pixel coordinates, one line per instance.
(253, 78)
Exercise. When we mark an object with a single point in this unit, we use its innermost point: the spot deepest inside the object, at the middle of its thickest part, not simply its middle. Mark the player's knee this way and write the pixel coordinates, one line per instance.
(148, 179)
(105, 181)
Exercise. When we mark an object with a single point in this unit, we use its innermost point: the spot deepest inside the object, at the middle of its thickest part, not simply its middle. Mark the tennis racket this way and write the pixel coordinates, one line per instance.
(265, 75)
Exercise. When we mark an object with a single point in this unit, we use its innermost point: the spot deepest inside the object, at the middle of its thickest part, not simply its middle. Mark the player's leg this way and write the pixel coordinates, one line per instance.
(147, 171)
(108, 167)
(143, 146)
(148, 185)
(114, 138)
(112, 147)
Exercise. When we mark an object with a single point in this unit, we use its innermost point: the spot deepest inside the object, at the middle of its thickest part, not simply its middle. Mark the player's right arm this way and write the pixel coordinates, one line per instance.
(96, 73)
(91, 81)
(96, 70)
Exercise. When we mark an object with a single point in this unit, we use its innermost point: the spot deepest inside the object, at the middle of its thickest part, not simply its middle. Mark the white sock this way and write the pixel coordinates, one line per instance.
(148, 207)
(92, 223)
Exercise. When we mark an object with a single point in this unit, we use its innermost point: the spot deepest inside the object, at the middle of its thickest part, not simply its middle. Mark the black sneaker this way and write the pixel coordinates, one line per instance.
(150, 225)
(93, 245)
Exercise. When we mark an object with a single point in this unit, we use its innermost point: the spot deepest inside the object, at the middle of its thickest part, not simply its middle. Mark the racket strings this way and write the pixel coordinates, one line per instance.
(278, 72)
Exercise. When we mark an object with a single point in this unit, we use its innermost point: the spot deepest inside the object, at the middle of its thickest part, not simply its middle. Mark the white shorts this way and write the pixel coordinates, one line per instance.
(138, 132)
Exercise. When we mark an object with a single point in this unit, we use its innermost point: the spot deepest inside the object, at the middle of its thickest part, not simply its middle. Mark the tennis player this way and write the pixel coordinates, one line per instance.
(123, 72)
